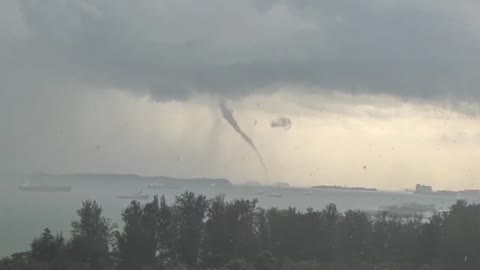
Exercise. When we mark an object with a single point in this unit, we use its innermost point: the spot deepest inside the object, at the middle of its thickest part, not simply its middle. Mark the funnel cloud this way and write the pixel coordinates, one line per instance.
(228, 115)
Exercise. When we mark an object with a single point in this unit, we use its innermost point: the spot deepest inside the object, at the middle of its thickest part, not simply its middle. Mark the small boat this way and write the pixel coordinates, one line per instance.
(307, 193)
(161, 186)
(140, 195)
(275, 195)
(44, 188)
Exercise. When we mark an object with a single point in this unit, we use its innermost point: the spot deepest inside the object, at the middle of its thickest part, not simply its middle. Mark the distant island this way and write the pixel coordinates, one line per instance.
(345, 188)
(469, 193)
(447, 192)
(150, 180)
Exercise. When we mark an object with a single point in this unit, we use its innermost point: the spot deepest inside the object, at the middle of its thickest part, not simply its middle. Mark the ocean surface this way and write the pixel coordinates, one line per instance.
(24, 215)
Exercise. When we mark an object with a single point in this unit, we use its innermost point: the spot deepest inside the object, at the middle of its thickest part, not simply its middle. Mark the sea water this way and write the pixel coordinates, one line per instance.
(24, 215)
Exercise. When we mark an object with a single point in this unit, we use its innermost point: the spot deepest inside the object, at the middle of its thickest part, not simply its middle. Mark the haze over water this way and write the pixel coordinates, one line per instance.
(24, 215)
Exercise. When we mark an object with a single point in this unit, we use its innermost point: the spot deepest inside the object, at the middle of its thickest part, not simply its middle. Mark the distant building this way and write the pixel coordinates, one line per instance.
(280, 184)
(421, 189)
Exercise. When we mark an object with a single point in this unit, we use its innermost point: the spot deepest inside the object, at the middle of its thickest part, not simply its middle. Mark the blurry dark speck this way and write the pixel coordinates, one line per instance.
(364, 167)
(98, 147)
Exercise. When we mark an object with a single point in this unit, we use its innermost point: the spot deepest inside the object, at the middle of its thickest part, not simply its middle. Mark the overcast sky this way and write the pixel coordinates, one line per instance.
(381, 93)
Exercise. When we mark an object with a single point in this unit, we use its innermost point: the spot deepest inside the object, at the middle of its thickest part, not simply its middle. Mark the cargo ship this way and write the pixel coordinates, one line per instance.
(44, 188)
(138, 196)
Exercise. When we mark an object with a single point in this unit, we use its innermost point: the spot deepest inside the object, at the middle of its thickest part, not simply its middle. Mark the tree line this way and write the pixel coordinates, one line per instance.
(196, 233)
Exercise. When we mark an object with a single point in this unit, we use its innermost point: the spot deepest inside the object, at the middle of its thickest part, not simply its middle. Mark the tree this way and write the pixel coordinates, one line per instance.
(198, 234)
(216, 244)
(461, 235)
(189, 212)
(137, 245)
(236, 264)
(311, 227)
(240, 222)
(47, 247)
(356, 231)
(149, 224)
(430, 239)
(16, 261)
(166, 233)
(92, 236)
(265, 261)
(262, 230)
(229, 231)
(329, 233)
(284, 233)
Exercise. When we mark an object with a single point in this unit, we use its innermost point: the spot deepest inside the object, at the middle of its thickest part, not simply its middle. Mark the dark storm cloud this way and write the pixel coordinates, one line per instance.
(281, 121)
(171, 49)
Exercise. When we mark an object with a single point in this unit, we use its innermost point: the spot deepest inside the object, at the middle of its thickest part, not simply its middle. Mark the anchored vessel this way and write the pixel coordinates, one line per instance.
(44, 187)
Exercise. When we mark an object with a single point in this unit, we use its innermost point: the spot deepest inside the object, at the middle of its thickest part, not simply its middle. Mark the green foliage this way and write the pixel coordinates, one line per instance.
(355, 231)
(137, 245)
(47, 247)
(461, 235)
(237, 264)
(265, 261)
(92, 237)
(166, 233)
(189, 212)
(17, 261)
(229, 231)
(195, 233)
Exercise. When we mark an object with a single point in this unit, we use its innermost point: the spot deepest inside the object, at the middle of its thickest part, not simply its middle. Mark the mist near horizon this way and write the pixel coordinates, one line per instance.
(351, 94)
(253, 135)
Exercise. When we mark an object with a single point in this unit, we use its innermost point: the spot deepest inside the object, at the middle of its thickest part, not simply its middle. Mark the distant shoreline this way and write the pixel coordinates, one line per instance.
(217, 182)
(345, 188)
